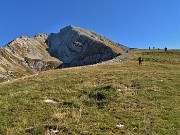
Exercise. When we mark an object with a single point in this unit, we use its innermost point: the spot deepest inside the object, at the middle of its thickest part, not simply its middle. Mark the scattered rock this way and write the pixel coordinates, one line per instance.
(52, 131)
(120, 125)
(49, 101)
(119, 90)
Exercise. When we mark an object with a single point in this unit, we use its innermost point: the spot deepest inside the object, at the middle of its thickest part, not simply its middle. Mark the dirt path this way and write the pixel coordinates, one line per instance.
(17, 79)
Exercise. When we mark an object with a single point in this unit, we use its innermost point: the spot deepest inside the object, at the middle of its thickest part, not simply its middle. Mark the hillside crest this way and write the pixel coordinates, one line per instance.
(72, 46)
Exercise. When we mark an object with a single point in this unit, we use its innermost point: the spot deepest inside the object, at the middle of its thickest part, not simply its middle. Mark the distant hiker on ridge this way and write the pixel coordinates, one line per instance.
(140, 60)
(165, 49)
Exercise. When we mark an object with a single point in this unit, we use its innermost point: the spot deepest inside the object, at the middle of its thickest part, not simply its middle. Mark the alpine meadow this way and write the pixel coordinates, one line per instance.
(110, 98)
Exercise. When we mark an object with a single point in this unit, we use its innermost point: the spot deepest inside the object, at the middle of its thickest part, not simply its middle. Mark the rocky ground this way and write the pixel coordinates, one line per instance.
(119, 58)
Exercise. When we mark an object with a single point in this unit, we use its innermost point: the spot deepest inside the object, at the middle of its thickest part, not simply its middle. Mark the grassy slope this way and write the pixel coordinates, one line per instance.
(94, 99)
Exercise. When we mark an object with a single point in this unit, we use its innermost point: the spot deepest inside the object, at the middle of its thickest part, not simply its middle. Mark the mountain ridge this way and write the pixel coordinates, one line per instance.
(72, 46)
(25, 56)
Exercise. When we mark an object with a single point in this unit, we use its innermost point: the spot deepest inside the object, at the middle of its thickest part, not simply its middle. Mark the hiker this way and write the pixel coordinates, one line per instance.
(149, 48)
(165, 49)
(140, 60)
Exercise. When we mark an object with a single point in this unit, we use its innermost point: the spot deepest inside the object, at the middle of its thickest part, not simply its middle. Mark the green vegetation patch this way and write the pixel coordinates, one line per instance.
(114, 98)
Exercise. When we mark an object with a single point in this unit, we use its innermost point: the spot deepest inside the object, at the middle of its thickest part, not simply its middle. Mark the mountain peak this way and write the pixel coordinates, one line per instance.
(76, 46)
(72, 46)
(69, 27)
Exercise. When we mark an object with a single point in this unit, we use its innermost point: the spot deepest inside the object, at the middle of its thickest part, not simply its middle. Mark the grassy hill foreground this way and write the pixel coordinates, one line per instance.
(107, 99)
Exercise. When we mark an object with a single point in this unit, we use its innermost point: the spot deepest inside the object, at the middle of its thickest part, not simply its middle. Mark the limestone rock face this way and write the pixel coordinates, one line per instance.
(76, 46)
(24, 56)
(72, 46)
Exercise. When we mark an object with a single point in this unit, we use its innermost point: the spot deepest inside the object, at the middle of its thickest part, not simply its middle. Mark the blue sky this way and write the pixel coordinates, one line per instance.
(134, 23)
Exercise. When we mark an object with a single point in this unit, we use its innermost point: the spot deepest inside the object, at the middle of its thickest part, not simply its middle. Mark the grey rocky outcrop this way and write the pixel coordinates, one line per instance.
(77, 46)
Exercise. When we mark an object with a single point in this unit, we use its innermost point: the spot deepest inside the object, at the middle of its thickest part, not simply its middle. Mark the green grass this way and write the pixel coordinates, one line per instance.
(95, 99)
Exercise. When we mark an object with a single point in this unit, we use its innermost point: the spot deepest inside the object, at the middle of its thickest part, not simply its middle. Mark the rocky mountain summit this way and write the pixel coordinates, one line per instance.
(77, 46)
(72, 46)
(24, 56)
